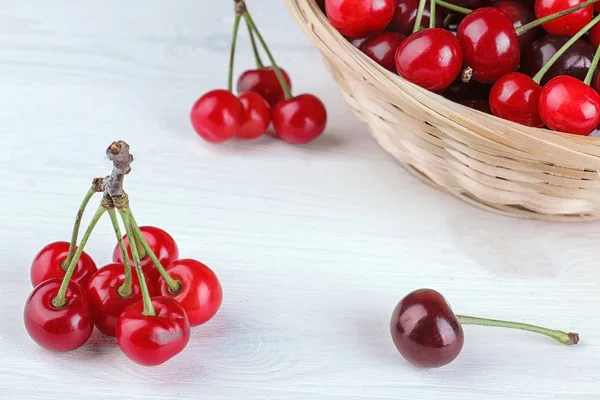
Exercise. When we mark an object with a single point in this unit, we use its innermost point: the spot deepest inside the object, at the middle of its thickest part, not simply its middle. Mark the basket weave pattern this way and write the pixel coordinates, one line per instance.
(489, 162)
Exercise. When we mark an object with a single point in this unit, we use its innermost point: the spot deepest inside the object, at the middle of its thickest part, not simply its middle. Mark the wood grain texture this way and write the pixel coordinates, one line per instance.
(314, 244)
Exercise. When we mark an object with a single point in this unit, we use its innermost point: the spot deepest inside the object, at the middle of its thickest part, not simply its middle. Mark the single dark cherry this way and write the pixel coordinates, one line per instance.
(490, 44)
(425, 330)
(382, 48)
(594, 36)
(480, 105)
(596, 81)
(576, 61)
(406, 14)
(47, 264)
(520, 14)
(431, 58)
(515, 97)
(569, 24)
(471, 90)
(264, 82)
(569, 105)
(356, 18)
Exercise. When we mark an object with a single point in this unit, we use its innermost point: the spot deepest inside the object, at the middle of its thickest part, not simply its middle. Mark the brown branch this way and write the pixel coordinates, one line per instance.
(118, 153)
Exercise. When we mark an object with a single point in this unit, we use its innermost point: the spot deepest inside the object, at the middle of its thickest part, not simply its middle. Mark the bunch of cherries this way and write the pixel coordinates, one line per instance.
(150, 312)
(532, 62)
(264, 97)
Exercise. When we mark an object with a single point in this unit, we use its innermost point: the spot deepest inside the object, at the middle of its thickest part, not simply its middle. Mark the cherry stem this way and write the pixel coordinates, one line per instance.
(236, 28)
(60, 300)
(125, 289)
(538, 77)
(286, 88)
(259, 63)
(533, 24)
(419, 17)
(147, 301)
(432, 4)
(76, 226)
(453, 7)
(560, 336)
(174, 285)
(590, 73)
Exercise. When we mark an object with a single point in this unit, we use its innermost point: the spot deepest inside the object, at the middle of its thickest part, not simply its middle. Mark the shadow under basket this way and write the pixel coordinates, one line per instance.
(489, 162)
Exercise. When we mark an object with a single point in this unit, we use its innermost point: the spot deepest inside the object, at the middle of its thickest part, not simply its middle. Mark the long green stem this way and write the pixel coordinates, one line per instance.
(236, 28)
(125, 290)
(60, 299)
(432, 5)
(419, 16)
(76, 226)
(453, 7)
(259, 63)
(562, 337)
(174, 285)
(286, 88)
(538, 77)
(593, 66)
(148, 307)
(535, 23)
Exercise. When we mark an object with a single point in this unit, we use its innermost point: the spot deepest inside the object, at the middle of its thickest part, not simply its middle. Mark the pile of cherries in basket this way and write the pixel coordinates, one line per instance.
(150, 311)
(265, 97)
(532, 62)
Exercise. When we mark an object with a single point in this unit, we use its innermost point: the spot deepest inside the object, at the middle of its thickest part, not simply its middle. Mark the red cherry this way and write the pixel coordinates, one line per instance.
(358, 42)
(425, 330)
(47, 264)
(264, 82)
(153, 339)
(300, 119)
(216, 116)
(163, 246)
(520, 14)
(355, 18)
(58, 329)
(406, 14)
(382, 49)
(104, 299)
(515, 97)
(431, 58)
(569, 105)
(567, 25)
(257, 116)
(595, 34)
(490, 44)
(200, 293)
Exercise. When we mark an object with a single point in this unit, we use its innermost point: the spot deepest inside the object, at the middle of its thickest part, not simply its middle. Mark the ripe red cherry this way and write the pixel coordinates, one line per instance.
(406, 14)
(595, 35)
(200, 294)
(264, 82)
(355, 18)
(490, 44)
(515, 97)
(569, 105)
(153, 339)
(425, 330)
(47, 264)
(105, 301)
(257, 116)
(58, 329)
(431, 58)
(300, 119)
(520, 14)
(382, 49)
(163, 246)
(216, 116)
(567, 25)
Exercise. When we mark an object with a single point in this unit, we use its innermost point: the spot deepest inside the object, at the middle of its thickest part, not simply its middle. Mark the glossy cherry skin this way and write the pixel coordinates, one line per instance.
(104, 299)
(200, 294)
(569, 105)
(567, 25)
(406, 14)
(471, 90)
(58, 329)
(515, 97)
(431, 58)
(300, 119)
(264, 82)
(382, 48)
(47, 264)
(358, 42)
(595, 34)
(520, 14)
(490, 44)
(163, 246)
(480, 105)
(216, 116)
(257, 116)
(356, 18)
(576, 61)
(425, 330)
(152, 340)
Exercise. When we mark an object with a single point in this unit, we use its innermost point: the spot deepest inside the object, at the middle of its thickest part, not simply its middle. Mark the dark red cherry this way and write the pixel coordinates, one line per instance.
(471, 90)
(596, 81)
(481, 105)
(520, 14)
(406, 14)
(515, 97)
(356, 18)
(431, 58)
(358, 42)
(575, 61)
(425, 330)
(569, 24)
(595, 34)
(382, 49)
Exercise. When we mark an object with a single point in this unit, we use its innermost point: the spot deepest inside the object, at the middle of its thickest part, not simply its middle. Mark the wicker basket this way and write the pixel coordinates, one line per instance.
(486, 161)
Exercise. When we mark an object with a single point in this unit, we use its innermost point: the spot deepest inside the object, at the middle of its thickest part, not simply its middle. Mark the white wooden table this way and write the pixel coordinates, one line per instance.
(314, 245)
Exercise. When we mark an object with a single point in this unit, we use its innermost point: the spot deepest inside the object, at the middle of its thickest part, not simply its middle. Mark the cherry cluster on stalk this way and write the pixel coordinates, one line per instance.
(150, 312)
(264, 98)
(529, 62)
